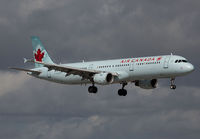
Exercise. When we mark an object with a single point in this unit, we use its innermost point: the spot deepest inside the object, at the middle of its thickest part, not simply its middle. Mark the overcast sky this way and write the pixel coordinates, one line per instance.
(73, 30)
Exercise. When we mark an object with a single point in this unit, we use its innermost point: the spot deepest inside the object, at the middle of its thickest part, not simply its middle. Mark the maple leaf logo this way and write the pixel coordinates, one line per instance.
(39, 55)
(159, 58)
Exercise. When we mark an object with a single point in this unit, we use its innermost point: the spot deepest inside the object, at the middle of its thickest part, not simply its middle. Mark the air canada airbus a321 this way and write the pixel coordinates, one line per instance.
(142, 71)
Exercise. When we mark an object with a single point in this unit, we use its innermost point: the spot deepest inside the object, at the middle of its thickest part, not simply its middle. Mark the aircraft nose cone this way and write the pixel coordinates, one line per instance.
(190, 67)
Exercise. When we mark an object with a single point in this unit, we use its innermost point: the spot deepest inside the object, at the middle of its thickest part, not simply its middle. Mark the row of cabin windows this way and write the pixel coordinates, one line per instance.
(179, 61)
(148, 63)
(109, 66)
(122, 65)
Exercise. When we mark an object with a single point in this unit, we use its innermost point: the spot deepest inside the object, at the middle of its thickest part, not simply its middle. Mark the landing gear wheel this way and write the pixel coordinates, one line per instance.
(95, 89)
(92, 89)
(173, 87)
(122, 92)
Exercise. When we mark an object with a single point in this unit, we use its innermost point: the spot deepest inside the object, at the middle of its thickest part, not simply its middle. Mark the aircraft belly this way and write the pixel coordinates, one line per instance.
(146, 72)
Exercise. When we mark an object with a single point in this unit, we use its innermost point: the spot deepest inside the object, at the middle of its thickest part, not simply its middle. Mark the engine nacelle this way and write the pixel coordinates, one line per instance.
(147, 84)
(103, 78)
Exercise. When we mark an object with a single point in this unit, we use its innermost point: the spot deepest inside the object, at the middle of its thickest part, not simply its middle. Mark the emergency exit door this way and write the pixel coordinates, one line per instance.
(166, 62)
(131, 68)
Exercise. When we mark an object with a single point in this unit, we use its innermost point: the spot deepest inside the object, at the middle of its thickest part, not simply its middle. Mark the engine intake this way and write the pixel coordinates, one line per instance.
(147, 84)
(103, 78)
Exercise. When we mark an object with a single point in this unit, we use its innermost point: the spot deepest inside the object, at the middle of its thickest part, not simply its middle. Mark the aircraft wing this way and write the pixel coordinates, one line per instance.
(27, 70)
(85, 73)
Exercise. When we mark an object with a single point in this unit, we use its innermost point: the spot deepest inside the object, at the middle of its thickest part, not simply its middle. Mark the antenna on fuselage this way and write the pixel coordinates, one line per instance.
(171, 54)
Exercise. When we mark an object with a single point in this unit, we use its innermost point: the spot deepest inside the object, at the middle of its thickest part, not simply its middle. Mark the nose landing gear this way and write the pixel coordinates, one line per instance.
(172, 86)
(122, 92)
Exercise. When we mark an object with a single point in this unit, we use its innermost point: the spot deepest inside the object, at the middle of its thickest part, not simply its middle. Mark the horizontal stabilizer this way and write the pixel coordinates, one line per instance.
(28, 60)
(27, 70)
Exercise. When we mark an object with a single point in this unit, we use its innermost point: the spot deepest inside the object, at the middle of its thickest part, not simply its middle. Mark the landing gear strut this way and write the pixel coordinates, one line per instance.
(92, 89)
(172, 86)
(122, 92)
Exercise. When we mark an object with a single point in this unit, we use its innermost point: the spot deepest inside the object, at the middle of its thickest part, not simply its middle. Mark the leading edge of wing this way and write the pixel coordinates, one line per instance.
(26, 70)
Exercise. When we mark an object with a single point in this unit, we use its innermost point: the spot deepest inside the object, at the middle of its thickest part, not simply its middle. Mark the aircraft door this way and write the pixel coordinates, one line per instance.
(131, 68)
(166, 62)
(90, 66)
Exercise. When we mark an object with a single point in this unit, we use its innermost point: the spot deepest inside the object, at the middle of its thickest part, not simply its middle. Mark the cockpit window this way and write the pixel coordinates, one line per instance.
(179, 61)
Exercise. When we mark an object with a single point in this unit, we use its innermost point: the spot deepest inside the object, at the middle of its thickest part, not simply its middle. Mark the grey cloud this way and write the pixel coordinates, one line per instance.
(111, 27)
(11, 81)
(73, 30)
(46, 110)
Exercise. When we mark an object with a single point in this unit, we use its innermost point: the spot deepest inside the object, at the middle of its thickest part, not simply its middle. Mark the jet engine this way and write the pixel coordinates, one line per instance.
(103, 78)
(147, 84)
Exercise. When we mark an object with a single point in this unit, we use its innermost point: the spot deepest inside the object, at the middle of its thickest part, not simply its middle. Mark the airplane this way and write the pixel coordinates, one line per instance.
(144, 72)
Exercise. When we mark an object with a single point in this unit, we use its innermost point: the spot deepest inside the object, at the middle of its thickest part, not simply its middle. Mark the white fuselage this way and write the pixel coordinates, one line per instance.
(128, 70)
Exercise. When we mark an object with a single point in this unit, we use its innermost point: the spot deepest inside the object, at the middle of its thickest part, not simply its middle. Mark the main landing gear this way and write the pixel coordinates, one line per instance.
(122, 92)
(92, 89)
(172, 86)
